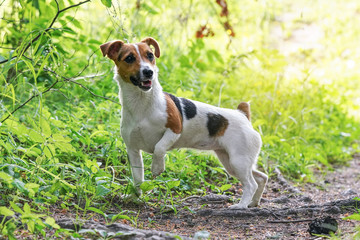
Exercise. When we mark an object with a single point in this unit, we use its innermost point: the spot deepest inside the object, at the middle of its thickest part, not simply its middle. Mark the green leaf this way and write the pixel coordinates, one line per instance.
(225, 187)
(16, 208)
(6, 212)
(45, 127)
(51, 221)
(6, 177)
(19, 185)
(172, 184)
(147, 186)
(101, 190)
(355, 216)
(35, 136)
(120, 216)
(97, 211)
(107, 3)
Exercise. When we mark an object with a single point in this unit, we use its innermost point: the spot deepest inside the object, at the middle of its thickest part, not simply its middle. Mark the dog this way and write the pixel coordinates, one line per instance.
(155, 122)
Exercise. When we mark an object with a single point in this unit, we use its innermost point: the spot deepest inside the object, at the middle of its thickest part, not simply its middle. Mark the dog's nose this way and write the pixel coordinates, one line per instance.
(148, 73)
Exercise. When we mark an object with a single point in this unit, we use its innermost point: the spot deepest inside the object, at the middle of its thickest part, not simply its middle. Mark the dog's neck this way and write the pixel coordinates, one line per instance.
(132, 98)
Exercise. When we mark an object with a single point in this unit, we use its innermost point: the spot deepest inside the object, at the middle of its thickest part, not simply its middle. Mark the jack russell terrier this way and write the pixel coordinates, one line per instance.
(155, 122)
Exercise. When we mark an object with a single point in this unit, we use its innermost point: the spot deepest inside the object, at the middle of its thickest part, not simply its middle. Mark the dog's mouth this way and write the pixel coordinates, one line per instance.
(143, 84)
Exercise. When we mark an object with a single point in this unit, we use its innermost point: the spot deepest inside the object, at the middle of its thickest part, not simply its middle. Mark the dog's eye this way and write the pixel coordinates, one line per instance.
(130, 59)
(150, 56)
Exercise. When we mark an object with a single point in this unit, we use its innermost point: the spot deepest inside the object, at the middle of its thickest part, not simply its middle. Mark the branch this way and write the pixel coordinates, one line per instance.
(26, 102)
(291, 221)
(46, 30)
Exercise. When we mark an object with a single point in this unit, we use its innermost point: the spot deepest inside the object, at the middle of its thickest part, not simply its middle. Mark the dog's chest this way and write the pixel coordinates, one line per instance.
(143, 130)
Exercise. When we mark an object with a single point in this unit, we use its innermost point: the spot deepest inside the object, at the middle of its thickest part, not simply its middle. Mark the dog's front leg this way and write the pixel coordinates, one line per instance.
(165, 143)
(137, 167)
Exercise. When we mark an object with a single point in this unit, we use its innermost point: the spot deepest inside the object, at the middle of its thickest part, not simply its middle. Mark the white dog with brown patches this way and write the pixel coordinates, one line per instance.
(155, 122)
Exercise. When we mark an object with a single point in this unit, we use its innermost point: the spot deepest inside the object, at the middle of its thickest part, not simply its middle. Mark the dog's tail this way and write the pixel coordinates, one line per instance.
(245, 108)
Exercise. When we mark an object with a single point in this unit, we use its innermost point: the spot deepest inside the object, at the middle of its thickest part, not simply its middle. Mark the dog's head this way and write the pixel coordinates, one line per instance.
(135, 62)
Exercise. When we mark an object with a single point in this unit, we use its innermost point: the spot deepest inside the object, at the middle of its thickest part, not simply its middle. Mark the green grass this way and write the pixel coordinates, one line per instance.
(64, 147)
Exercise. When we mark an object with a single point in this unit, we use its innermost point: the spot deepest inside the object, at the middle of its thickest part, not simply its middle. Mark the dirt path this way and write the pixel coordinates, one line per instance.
(285, 212)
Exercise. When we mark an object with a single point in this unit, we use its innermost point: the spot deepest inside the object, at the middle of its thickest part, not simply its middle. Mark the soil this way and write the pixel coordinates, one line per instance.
(285, 211)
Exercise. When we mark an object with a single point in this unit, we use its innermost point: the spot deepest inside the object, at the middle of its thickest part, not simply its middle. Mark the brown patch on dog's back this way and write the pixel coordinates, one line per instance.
(216, 124)
(245, 107)
(174, 120)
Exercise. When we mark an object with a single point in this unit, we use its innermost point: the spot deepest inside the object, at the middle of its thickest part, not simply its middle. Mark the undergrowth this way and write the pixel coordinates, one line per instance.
(60, 143)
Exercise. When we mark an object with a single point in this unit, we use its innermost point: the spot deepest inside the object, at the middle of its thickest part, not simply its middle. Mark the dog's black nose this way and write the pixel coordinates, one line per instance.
(148, 73)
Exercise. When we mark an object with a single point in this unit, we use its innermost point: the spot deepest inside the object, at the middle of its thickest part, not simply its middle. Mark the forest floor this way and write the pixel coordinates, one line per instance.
(285, 211)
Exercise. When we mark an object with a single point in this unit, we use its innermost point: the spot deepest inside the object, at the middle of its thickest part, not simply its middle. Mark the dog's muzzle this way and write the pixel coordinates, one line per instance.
(144, 84)
(143, 79)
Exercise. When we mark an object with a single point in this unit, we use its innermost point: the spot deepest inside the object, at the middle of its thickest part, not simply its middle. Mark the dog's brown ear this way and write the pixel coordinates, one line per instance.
(152, 42)
(111, 49)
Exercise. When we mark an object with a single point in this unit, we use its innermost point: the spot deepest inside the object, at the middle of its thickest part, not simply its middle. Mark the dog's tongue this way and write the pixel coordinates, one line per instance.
(146, 83)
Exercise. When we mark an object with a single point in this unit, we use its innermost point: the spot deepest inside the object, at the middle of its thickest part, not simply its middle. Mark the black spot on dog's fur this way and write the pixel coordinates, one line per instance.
(176, 101)
(216, 124)
(189, 107)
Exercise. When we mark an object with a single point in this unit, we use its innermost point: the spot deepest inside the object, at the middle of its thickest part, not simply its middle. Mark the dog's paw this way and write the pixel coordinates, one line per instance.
(237, 207)
(254, 204)
(157, 171)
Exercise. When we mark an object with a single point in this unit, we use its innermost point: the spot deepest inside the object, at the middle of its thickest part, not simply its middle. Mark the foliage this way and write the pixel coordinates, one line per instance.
(60, 143)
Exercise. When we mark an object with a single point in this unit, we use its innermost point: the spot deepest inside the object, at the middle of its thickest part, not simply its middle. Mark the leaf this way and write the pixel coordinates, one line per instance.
(97, 211)
(74, 21)
(45, 127)
(120, 216)
(355, 216)
(107, 3)
(6, 212)
(6, 177)
(16, 208)
(147, 186)
(35, 136)
(19, 185)
(51, 221)
(172, 184)
(225, 187)
(101, 190)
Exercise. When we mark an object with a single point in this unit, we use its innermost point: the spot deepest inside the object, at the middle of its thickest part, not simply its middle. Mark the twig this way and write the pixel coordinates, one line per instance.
(46, 30)
(26, 102)
(95, 95)
(291, 221)
(190, 197)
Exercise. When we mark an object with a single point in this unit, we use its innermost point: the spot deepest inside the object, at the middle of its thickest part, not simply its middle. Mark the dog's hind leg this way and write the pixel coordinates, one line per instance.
(224, 159)
(241, 166)
(165, 143)
(261, 179)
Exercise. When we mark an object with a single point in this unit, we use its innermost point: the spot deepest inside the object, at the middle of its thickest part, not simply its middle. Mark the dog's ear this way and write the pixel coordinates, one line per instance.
(111, 49)
(152, 42)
